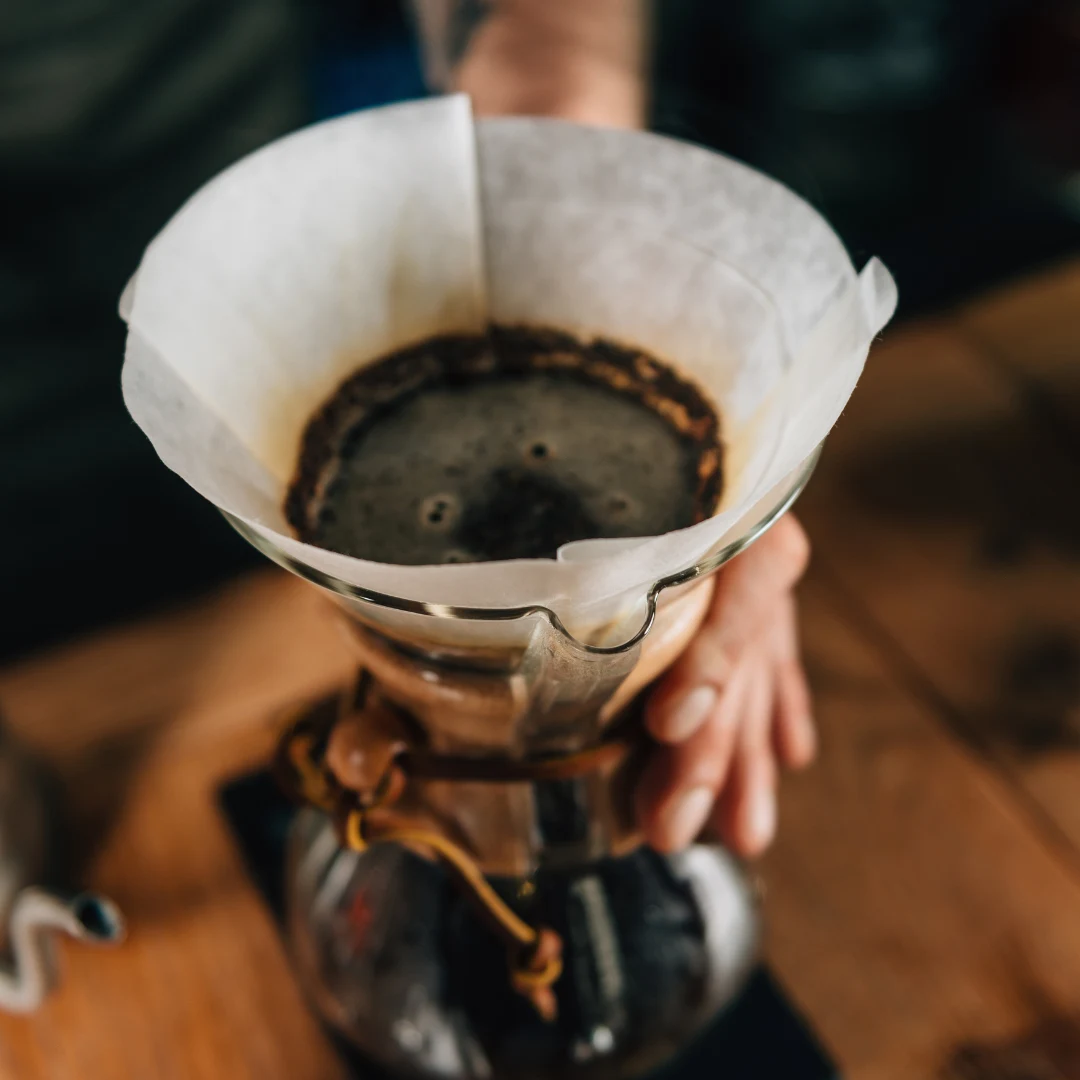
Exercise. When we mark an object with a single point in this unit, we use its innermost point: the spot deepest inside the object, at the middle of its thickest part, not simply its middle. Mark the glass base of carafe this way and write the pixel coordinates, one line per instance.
(398, 961)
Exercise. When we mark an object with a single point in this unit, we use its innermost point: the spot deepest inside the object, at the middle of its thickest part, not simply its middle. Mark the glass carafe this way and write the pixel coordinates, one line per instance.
(400, 959)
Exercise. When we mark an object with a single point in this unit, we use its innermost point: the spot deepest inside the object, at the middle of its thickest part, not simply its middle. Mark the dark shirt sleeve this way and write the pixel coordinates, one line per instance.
(111, 113)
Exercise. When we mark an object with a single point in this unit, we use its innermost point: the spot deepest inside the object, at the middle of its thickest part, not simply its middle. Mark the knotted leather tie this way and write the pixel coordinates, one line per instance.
(535, 953)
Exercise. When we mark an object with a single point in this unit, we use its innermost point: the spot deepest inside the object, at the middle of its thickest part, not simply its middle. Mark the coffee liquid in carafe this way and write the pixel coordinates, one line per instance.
(504, 446)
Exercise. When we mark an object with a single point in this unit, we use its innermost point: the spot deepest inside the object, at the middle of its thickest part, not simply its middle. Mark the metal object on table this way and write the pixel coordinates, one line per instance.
(31, 916)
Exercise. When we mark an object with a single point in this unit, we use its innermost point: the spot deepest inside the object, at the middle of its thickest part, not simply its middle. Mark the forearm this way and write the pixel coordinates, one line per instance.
(584, 60)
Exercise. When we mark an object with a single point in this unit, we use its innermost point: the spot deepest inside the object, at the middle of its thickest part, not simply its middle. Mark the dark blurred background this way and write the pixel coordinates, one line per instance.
(942, 135)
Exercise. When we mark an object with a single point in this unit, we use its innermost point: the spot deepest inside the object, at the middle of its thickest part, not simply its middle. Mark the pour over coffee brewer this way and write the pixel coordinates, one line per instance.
(474, 900)
(521, 759)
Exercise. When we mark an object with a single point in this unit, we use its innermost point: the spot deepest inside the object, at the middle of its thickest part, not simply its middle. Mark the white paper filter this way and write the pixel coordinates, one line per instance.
(336, 245)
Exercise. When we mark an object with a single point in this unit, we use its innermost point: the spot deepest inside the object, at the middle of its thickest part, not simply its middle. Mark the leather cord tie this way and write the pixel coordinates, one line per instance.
(535, 953)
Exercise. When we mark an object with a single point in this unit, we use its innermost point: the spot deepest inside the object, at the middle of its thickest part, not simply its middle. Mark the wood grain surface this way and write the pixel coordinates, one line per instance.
(144, 725)
(923, 899)
(1032, 330)
(912, 910)
(947, 513)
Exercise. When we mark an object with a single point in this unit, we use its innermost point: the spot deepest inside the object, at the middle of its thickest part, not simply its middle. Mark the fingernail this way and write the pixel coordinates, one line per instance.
(690, 712)
(683, 821)
(761, 818)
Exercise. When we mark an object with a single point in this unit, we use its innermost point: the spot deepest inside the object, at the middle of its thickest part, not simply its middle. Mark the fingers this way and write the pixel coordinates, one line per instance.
(677, 791)
(745, 815)
(747, 592)
(794, 737)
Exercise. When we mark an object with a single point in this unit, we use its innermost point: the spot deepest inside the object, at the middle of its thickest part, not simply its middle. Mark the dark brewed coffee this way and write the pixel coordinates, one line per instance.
(504, 446)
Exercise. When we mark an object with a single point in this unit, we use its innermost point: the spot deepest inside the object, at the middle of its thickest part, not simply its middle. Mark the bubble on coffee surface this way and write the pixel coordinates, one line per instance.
(505, 446)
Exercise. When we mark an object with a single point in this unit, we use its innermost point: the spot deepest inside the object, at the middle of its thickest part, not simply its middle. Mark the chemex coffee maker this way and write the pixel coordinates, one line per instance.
(478, 903)
(468, 894)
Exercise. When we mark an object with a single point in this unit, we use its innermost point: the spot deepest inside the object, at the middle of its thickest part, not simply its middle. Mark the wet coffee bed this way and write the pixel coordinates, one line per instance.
(504, 446)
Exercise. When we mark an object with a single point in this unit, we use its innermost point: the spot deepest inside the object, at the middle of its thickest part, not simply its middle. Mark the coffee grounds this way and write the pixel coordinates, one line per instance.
(504, 446)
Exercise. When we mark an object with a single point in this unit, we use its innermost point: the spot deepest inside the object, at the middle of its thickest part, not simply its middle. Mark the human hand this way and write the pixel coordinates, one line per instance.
(560, 58)
(734, 708)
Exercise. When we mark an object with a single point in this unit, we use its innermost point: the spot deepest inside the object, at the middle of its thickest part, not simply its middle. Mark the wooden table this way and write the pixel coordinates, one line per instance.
(923, 900)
